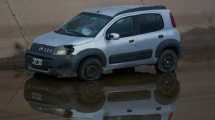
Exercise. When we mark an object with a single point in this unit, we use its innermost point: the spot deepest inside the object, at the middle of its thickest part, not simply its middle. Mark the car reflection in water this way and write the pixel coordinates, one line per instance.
(134, 96)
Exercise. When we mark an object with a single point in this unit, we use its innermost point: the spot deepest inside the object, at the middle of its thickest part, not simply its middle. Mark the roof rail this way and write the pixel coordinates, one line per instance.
(157, 7)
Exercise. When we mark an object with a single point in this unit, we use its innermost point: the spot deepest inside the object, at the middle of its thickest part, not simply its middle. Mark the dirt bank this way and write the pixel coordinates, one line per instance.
(199, 44)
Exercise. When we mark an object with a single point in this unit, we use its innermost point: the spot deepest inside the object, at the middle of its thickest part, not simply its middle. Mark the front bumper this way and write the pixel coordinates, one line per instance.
(51, 64)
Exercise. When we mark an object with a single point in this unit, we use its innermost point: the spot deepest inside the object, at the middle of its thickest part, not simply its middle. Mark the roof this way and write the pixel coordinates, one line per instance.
(120, 9)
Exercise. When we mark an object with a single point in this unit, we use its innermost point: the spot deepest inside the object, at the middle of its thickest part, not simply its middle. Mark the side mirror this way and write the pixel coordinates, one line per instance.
(113, 36)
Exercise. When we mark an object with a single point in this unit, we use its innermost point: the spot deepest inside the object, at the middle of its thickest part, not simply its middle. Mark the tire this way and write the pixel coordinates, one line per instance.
(91, 93)
(167, 88)
(90, 97)
(167, 61)
(90, 69)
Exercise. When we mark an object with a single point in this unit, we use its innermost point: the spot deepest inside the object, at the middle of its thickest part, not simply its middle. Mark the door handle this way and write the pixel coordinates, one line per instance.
(160, 36)
(131, 41)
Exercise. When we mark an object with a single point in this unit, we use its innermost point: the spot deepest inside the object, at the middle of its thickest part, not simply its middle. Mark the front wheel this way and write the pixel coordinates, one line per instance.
(167, 61)
(90, 69)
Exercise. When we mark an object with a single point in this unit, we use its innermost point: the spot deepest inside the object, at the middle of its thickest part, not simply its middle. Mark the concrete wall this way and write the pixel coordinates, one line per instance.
(21, 20)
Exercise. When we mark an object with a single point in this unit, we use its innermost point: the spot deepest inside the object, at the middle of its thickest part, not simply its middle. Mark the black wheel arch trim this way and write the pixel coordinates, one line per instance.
(169, 43)
(88, 53)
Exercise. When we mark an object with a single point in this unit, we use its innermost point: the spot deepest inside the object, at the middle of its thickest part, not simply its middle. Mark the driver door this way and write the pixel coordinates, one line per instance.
(120, 49)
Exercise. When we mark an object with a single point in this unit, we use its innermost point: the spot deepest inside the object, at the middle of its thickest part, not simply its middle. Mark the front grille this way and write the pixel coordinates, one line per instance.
(42, 49)
(46, 65)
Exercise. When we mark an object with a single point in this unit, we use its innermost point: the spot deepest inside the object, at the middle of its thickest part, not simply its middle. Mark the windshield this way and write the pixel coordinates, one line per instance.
(85, 25)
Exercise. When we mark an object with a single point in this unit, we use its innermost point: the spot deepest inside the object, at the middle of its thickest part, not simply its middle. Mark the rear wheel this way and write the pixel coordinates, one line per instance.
(167, 88)
(90, 69)
(167, 61)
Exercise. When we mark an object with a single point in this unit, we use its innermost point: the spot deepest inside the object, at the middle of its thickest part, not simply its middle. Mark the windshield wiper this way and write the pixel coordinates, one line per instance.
(61, 30)
(72, 33)
(77, 33)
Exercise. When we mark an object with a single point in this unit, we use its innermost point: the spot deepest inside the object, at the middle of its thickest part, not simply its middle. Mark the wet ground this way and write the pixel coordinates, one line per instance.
(196, 99)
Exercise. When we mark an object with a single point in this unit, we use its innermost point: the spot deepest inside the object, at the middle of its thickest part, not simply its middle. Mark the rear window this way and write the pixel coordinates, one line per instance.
(147, 23)
(134, 117)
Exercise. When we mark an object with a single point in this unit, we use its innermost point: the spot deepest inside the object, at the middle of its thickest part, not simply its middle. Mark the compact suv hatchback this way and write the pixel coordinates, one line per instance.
(108, 38)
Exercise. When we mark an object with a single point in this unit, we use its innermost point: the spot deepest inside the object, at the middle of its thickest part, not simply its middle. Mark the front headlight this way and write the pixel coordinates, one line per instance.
(61, 51)
(64, 50)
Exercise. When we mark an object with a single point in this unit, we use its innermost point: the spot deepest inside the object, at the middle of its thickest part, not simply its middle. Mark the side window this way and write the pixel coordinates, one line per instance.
(147, 23)
(124, 27)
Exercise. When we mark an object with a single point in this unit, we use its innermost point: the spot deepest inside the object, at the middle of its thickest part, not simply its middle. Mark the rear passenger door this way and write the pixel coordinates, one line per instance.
(149, 30)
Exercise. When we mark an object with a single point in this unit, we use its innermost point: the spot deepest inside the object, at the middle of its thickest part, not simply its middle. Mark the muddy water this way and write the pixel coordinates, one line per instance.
(195, 101)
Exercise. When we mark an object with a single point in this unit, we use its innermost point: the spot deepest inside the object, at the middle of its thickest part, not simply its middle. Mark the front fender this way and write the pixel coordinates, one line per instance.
(88, 53)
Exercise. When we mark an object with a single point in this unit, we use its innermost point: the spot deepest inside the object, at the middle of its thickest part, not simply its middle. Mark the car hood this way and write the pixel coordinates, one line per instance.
(56, 39)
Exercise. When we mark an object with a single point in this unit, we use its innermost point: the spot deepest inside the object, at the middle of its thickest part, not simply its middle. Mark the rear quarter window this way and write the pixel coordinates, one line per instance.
(147, 23)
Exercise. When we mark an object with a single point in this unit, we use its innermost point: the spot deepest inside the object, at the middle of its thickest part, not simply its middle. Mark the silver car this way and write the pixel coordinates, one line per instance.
(103, 39)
